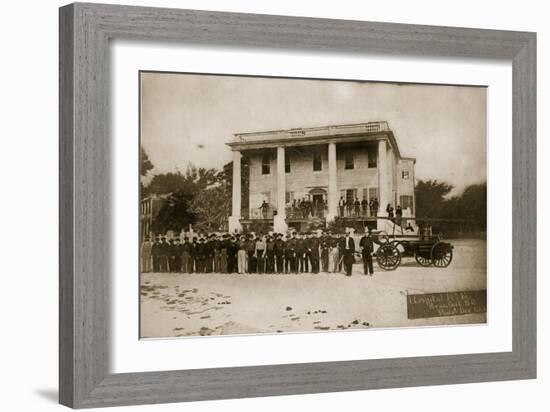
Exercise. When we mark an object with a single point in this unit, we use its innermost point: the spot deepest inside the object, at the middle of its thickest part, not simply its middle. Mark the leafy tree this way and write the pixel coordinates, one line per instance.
(175, 214)
(182, 189)
(430, 198)
(145, 163)
(212, 207)
(145, 167)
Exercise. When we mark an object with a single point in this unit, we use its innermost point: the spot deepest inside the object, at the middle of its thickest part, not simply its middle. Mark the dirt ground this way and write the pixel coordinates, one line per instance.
(176, 305)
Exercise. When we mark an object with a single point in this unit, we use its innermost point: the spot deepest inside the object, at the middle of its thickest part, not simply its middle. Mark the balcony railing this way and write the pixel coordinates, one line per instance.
(309, 212)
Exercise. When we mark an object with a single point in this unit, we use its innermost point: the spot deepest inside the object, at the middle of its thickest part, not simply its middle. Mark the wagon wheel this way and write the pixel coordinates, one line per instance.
(388, 257)
(422, 259)
(442, 254)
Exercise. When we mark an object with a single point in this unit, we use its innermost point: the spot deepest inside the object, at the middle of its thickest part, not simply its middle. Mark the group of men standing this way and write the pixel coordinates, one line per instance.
(294, 253)
(351, 207)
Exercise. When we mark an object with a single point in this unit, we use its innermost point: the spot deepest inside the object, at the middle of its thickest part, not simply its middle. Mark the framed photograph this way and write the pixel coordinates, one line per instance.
(258, 205)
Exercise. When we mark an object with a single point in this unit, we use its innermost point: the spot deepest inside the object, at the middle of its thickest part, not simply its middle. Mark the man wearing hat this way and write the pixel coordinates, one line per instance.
(270, 255)
(241, 256)
(314, 252)
(224, 256)
(367, 248)
(349, 251)
(163, 254)
(193, 247)
(232, 250)
(279, 249)
(251, 254)
(325, 246)
(186, 261)
(290, 255)
(200, 253)
(300, 253)
(155, 254)
(174, 250)
(146, 255)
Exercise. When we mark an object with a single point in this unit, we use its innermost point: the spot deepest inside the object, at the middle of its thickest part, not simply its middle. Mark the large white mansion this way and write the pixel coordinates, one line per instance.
(326, 166)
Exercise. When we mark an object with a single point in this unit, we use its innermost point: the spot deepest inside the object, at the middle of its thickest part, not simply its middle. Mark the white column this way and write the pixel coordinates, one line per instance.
(234, 223)
(332, 200)
(384, 192)
(279, 222)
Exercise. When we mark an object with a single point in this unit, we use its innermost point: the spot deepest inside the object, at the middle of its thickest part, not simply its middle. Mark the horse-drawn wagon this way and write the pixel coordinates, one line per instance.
(427, 251)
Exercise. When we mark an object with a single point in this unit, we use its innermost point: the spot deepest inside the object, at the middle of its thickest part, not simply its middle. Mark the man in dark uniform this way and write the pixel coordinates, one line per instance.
(364, 206)
(367, 248)
(251, 253)
(186, 260)
(325, 247)
(201, 255)
(164, 255)
(279, 249)
(194, 258)
(349, 251)
(290, 255)
(314, 253)
(270, 254)
(155, 253)
(216, 247)
(224, 253)
(175, 255)
(300, 253)
(307, 257)
(231, 254)
(208, 254)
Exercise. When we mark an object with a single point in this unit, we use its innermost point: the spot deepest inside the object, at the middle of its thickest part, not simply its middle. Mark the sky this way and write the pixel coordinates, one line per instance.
(188, 118)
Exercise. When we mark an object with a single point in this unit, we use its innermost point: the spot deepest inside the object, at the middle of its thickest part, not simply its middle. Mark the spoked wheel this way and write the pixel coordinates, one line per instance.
(388, 257)
(422, 259)
(442, 254)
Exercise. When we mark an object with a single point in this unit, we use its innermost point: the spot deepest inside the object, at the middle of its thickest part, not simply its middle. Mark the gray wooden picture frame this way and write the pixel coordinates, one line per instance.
(85, 31)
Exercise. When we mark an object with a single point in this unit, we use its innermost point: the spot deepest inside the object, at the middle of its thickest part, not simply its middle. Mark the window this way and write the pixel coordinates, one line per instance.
(287, 163)
(407, 202)
(373, 158)
(317, 160)
(351, 194)
(266, 164)
(373, 193)
(405, 174)
(348, 159)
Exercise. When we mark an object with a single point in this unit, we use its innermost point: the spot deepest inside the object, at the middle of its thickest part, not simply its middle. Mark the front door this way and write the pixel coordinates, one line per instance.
(318, 205)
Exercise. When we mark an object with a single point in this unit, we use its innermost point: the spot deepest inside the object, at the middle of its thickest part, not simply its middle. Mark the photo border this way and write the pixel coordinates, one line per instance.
(85, 32)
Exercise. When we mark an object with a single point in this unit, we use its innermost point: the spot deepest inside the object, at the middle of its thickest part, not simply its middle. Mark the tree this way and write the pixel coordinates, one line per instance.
(212, 207)
(175, 214)
(145, 163)
(182, 189)
(144, 168)
(430, 198)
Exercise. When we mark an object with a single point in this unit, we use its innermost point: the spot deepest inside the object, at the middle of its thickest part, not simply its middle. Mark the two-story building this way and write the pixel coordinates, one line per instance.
(321, 173)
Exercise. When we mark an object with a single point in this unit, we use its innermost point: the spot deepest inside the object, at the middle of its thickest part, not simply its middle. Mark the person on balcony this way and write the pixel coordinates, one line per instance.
(357, 207)
(389, 211)
(364, 206)
(341, 206)
(265, 209)
(374, 207)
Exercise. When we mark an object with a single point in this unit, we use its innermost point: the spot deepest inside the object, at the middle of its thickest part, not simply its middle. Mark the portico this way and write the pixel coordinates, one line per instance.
(351, 162)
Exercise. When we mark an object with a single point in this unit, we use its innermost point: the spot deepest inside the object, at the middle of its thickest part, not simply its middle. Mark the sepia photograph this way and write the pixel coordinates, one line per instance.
(285, 205)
